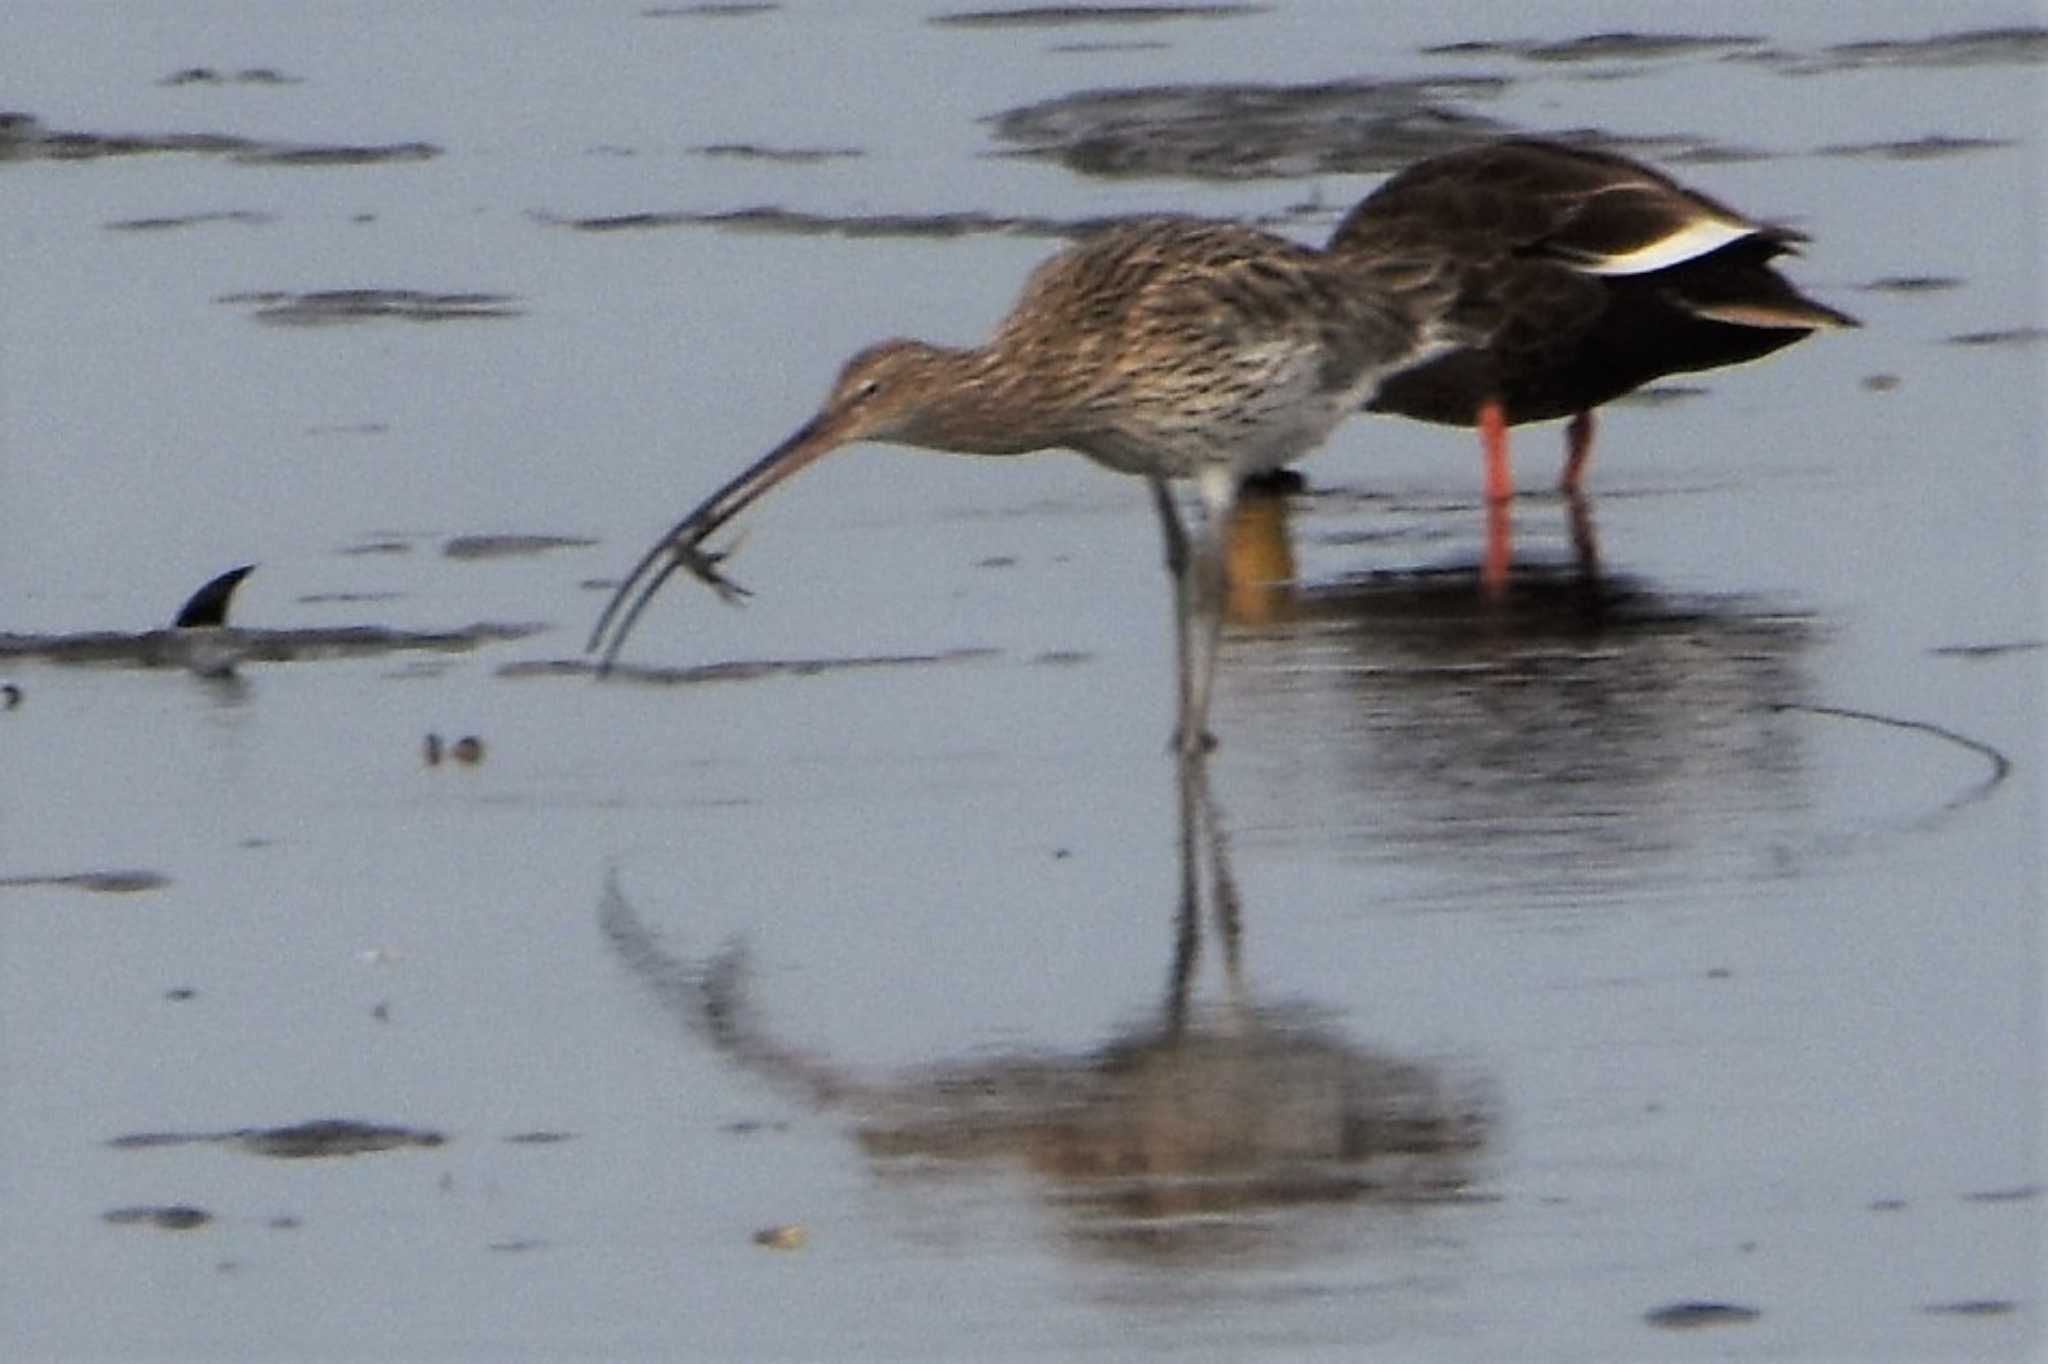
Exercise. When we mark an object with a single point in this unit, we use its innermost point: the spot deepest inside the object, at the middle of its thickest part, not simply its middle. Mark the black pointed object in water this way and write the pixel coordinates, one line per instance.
(200, 637)
(208, 607)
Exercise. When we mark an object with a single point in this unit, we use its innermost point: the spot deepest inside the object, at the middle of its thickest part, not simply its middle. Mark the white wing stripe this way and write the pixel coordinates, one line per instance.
(1696, 238)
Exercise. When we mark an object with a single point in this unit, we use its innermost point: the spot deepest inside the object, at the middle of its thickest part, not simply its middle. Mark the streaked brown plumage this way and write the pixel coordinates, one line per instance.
(1168, 348)
(1607, 275)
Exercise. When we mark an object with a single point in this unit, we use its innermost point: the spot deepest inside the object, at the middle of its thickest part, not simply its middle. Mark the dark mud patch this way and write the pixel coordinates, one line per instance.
(126, 882)
(706, 11)
(2025, 45)
(251, 75)
(1601, 47)
(2008, 336)
(1983, 651)
(1061, 16)
(509, 546)
(542, 1137)
(1986, 47)
(348, 598)
(23, 137)
(1911, 284)
(319, 1139)
(328, 154)
(1686, 151)
(767, 218)
(1135, 45)
(162, 1216)
(327, 307)
(1972, 1307)
(242, 217)
(177, 648)
(752, 151)
(1932, 147)
(1691, 1316)
(1252, 131)
(2021, 1193)
(381, 545)
(738, 670)
(1242, 132)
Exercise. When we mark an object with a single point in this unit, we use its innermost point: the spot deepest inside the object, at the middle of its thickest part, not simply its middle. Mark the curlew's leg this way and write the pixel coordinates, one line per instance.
(1208, 585)
(1176, 538)
(1197, 566)
(1578, 452)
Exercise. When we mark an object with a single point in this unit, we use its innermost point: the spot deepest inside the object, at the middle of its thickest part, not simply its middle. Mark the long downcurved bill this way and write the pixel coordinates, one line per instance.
(680, 547)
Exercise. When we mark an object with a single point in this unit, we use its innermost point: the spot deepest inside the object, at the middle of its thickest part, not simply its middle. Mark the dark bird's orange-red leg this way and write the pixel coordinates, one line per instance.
(1500, 491)
(1493, 442)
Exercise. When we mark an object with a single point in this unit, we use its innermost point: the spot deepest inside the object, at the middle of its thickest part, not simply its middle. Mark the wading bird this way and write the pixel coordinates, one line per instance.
(1166, 348)
(1605, 274)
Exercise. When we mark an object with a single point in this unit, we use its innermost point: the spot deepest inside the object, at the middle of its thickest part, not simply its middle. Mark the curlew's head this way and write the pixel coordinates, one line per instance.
(885, 392)
(881, 394)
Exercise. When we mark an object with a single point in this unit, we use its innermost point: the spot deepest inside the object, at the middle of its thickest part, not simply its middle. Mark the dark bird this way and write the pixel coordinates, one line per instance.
(1606, 275)
(1166, 348)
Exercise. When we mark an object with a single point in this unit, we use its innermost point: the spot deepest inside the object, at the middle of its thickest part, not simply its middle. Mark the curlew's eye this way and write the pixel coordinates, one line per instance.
(866, 389)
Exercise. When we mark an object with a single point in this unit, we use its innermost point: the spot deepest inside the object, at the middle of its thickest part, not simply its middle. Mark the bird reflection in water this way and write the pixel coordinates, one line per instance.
(1200, 1134)
(1581, 739)
(1258, 560)
(1262, 586)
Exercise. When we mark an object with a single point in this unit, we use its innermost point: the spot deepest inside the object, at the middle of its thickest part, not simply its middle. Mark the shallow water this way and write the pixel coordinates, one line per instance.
(1647, 966)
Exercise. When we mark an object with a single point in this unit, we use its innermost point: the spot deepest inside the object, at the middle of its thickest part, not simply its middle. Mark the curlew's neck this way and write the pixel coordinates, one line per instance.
(982, 401)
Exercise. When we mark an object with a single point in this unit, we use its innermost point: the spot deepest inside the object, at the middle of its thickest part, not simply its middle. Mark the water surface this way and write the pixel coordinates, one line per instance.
(1646, 966)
